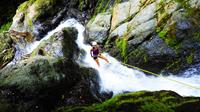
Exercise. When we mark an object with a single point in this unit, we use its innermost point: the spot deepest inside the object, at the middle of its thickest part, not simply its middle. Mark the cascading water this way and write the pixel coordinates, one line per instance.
(117, 78)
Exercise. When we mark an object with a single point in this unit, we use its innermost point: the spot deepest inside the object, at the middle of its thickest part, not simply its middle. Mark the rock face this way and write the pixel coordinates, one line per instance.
(160, 101)
(143, 33)
(7, 51)
(99, 27)
(50, 77)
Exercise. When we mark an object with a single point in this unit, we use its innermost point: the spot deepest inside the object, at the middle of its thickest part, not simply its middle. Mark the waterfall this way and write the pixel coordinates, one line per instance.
(118, 78)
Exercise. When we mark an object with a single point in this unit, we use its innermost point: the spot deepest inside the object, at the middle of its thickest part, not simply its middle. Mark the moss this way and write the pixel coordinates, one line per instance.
(42, 6)
(161, 101)
(30, 23)
(174, 65)
(102, 6)
(162, 34)
(196, 36)
(122, 45)
(155, 107)
(190, 58)
(185, 4)
(5, 27)
(23, 6)
(139, 55)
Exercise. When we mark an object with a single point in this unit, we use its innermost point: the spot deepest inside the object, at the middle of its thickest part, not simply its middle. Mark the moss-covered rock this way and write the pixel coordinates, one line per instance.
(7, 51)
(51, 78)
(59, 45)
(160, 101)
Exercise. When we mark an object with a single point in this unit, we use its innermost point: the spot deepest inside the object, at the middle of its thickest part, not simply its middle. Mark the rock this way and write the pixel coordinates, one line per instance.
(153, 52)
(174, 22)
(7, 51)
(143, 101)
(30, 12)
(194, 3)
(141, 32)
(120, 14)
(99, 27)
(56, 45)
(46, 76)
(41, 16)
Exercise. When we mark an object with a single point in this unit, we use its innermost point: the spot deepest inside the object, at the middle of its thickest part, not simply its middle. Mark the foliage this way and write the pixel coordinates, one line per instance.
(121, 43)
(5, 27)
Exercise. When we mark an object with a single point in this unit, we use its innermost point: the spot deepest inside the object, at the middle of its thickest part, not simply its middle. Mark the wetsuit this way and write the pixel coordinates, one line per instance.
(95, 53)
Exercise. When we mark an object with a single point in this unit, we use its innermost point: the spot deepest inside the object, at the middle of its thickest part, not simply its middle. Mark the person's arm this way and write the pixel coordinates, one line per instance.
(91, 53)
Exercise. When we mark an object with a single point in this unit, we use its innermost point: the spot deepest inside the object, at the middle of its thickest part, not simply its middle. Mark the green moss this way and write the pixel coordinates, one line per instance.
(190, 58)
(196, 36)
(155, 107)
(185, 4)
(139, 55)
(162, 34)
(5, 27)
(23, 6)
(174, 65)
(102, 6)
(30, 22)
(162, 101)
(122, 45)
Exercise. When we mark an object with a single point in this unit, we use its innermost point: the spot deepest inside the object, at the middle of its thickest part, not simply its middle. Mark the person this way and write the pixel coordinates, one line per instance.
(95, 53)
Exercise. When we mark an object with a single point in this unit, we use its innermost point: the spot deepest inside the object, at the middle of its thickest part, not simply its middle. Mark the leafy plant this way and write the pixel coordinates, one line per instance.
(5, 27)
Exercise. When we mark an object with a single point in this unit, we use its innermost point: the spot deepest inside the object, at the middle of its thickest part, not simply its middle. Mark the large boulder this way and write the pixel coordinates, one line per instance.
(49, 76)
(7, 50)
(99, 27)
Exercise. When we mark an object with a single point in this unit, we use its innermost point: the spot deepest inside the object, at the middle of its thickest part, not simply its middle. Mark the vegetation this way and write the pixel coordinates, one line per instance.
(5, 27)
(122, 45)
(161, 101)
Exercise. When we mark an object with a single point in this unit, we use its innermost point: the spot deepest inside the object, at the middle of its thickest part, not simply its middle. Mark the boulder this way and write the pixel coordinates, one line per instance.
(99, 27)
(56, 45)
(49, 76)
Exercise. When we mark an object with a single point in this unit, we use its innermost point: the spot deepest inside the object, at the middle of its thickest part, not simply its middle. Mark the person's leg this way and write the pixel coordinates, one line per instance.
(104, 58)
(97, 61)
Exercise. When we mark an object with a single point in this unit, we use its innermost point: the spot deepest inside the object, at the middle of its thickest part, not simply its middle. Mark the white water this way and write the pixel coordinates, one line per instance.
(118, 78)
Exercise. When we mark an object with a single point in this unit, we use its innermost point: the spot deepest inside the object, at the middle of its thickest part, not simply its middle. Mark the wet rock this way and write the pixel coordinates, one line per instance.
(99, 27)
(61, 44)
(172, 22)
(39, 82)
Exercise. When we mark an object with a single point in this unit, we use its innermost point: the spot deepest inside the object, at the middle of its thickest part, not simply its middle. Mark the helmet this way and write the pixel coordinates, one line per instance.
(94, 43)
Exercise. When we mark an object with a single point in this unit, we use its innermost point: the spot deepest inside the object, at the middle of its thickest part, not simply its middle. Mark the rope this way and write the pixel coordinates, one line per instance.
(146, 71)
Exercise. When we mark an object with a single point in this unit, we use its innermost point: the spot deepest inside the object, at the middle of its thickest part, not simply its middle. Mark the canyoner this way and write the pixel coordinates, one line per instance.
(96, 53)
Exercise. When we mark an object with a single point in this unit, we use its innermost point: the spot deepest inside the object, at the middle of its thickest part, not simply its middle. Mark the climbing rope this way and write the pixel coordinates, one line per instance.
(146, 71)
